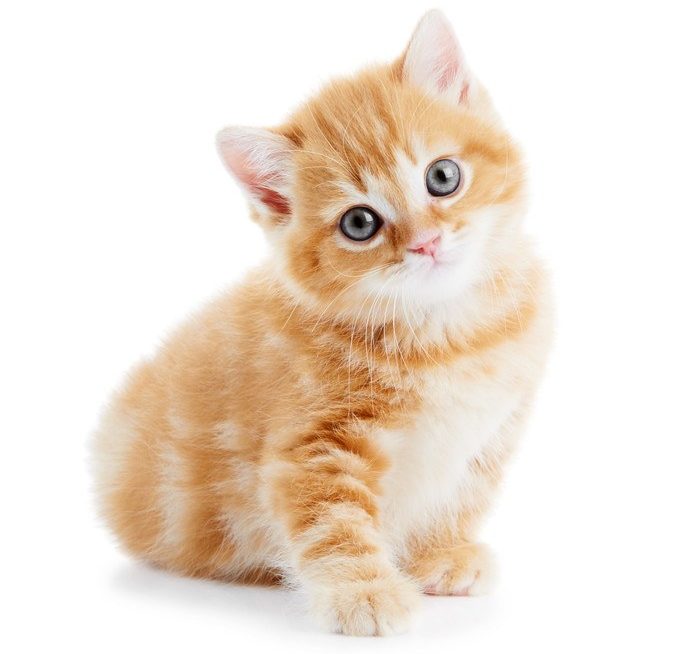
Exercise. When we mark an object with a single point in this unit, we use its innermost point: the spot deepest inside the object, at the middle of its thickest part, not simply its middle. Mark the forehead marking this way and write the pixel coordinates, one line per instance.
(377, 196)
(410, 175)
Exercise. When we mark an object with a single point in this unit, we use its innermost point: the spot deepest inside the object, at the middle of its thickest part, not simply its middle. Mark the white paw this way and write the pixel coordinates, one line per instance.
(469, 570)
(378, 607)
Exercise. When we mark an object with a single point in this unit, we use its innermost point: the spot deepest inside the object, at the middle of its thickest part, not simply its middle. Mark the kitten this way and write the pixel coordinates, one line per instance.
(340, 420)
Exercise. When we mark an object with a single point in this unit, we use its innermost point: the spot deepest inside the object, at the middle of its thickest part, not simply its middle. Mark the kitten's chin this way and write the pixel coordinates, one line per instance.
(441, 285)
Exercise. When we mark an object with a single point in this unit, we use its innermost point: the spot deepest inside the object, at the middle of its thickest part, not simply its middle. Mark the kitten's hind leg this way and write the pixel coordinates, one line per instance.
(323, 489)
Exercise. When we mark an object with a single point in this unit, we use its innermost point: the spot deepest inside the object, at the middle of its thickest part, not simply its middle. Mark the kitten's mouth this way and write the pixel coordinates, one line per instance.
(447, 258)
(425, 270)
(440, 260)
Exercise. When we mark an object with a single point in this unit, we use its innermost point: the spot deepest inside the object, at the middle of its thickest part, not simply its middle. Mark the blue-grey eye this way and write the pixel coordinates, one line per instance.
(360, 223)
(443, 177)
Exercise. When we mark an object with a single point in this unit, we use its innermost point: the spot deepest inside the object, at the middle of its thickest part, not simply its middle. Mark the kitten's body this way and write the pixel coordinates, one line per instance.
(312, 427)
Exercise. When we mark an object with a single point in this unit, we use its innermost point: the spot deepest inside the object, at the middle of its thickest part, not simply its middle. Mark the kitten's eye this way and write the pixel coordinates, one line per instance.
(360, 223)
(443, 177)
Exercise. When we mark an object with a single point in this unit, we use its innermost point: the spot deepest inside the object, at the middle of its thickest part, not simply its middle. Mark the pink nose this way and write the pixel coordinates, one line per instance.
(427, 245)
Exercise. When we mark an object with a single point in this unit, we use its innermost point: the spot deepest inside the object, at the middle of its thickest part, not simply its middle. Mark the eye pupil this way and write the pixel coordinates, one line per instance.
(360, 223)
(443, 177)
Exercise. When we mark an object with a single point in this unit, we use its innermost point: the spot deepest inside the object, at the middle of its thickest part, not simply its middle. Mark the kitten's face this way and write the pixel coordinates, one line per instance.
(395, 188)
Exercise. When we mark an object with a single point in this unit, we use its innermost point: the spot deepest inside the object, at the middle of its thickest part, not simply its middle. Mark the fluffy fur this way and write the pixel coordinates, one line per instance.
(340, 420)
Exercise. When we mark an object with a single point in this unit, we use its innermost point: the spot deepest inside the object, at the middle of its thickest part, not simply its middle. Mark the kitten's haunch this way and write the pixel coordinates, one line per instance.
(340, 420)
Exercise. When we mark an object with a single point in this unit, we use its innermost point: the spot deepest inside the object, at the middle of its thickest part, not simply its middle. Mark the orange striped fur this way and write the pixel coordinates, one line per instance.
(341, 418)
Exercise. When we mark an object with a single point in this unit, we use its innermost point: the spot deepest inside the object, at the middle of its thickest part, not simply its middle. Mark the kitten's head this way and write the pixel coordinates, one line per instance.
(397, 183)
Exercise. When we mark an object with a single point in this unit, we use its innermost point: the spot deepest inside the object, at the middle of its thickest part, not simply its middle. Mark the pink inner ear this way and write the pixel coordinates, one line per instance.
(259, 184)
(447, 75)
(273, 199)
(450, 68)
(463, 95)
(450, 71)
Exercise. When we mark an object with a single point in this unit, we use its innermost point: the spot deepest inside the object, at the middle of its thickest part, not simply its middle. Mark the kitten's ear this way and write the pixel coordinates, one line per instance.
(261, 162)
(434, 60)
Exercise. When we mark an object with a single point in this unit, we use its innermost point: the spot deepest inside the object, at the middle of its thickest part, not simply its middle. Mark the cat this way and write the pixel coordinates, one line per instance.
(339, 421)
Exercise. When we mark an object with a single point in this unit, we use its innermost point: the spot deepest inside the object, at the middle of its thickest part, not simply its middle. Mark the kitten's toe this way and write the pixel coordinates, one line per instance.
(464, 570)
(376, 607)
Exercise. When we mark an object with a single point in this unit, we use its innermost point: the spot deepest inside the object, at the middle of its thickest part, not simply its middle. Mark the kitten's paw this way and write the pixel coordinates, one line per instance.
(464, 570)
(377, 607)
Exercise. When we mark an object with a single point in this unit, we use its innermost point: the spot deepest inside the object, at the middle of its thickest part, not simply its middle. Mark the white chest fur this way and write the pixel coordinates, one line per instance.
(461, 417)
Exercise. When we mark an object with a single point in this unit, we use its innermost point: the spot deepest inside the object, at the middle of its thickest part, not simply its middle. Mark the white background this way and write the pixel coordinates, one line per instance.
(117, 219)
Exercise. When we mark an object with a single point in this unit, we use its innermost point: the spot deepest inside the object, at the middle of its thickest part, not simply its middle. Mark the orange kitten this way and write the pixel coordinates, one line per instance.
(340, 420)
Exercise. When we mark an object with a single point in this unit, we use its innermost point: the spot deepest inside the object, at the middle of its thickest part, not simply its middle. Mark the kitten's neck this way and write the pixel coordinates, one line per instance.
(499, 306)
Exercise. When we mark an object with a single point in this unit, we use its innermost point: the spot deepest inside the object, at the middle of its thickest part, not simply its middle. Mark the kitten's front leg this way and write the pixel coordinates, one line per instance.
(326, 492)
(460, 569)
(446, 559)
